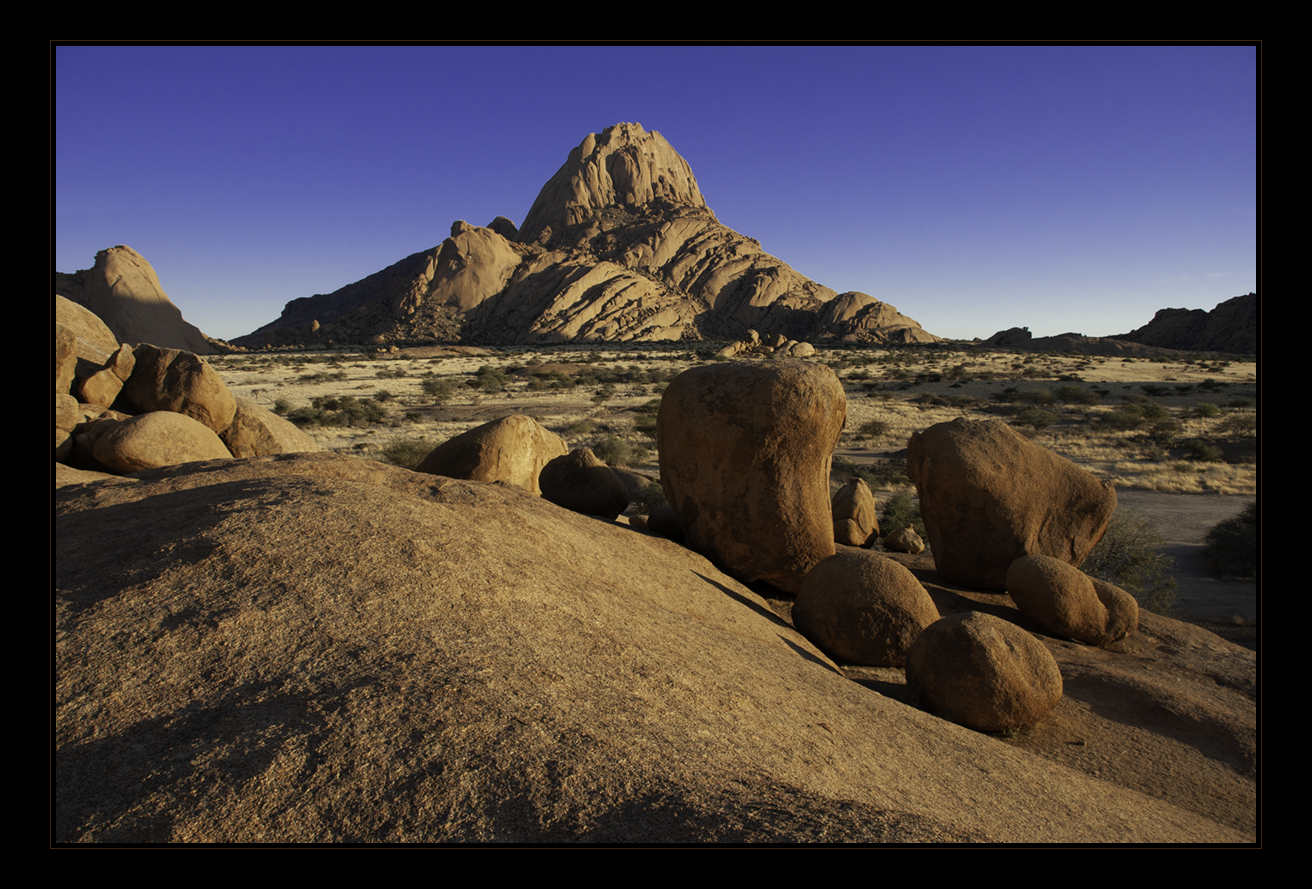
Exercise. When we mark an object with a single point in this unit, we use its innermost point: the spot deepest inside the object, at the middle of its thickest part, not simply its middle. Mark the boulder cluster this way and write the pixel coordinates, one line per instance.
(121, 408)
(772, 345)
(745, 451)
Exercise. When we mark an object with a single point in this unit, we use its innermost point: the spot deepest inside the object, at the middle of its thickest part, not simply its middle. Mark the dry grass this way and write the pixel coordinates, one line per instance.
(904, 389)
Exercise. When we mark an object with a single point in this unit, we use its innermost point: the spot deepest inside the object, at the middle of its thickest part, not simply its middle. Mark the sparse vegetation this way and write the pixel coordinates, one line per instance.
(899, 511)
(1129, 555)
(616, 451)
(407, 452)
(1104, 423)
(1232, 545)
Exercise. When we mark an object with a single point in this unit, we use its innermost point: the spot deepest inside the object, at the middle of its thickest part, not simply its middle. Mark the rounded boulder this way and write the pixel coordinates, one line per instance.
(159, 438)
(580, 482)
(982, 672)
(863, 608)
(1067, 602)
(745, 451)
(513, 449)
(989, 495)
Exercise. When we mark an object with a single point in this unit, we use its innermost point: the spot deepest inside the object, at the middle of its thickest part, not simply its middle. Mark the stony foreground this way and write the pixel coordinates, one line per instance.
(320, 648)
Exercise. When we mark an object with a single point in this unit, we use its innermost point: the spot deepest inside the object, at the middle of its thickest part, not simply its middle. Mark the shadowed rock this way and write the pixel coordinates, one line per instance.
(983, 672)
(581, 482)
(1065, 601)
(123, 290)
(863, 609)
(856, 519)
(178, 381)
(258, 432)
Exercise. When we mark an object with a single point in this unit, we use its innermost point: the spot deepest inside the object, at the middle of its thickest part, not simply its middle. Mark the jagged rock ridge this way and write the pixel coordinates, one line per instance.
(619, 246)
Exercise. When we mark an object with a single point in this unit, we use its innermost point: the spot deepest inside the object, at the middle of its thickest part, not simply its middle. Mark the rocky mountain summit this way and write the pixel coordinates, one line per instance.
(124, 292)
(619, 246)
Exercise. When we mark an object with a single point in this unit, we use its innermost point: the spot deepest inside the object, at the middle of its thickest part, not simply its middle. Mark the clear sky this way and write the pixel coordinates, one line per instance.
(974, 188)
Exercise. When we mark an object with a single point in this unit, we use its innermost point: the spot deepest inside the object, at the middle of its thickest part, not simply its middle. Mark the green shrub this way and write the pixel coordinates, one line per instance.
(407, 452)
(1035, 417)
(899, 511)
(1238, 424)
(489, 379)
(1077, 395)
(615, 451)
(1202, 452)
(439, 389)
(1129, 555)
(332, 410)
(1207, 409)
(650, 497)
(873, 429)
(1232, 545)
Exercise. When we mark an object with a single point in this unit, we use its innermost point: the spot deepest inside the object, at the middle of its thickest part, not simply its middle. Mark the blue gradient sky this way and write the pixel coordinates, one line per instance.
(975, 188)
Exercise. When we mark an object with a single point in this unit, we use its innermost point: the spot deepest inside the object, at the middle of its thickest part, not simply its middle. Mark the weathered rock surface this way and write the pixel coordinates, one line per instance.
(862, 608)
(124, 292)
(623, 166)
(619, 246)
(983, 672)
(513, 449)
(859, 317)
(159, 438)
(904, 540)
(320, 648)
(856, 517)
(1064, 601)
(581, 482)
(256, 431)
(989, 495)
(172, 380)
(745, 452)
(103, 386)
(96, 341)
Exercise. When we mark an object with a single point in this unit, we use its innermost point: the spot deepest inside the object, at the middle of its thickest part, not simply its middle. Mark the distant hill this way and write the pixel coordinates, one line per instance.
(619, 246)
(1230, 327)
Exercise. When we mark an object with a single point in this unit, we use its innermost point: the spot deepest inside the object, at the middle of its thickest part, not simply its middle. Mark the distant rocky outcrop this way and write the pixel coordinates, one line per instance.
(123, 290)
(1230, 327)
(619, 246)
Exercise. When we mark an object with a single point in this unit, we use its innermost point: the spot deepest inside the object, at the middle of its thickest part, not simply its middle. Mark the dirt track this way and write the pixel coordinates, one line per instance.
(1229, 608)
